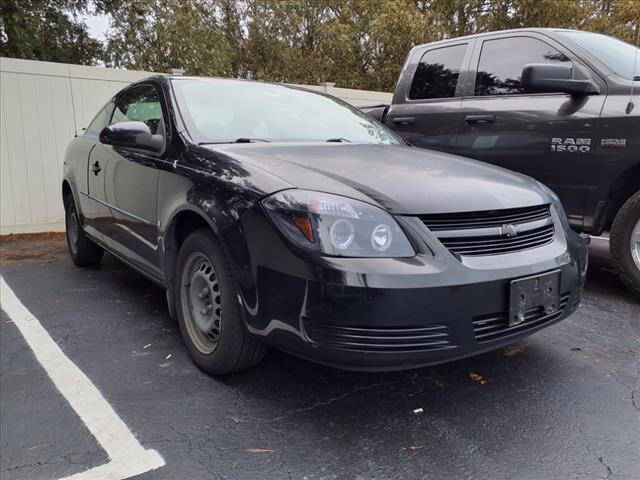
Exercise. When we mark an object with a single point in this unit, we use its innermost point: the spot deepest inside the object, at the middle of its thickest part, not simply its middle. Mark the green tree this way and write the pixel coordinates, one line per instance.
(47, 30)
(158, 35)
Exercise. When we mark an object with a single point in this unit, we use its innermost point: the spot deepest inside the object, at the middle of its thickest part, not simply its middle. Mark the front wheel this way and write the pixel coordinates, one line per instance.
(625, 243)
(209, 314)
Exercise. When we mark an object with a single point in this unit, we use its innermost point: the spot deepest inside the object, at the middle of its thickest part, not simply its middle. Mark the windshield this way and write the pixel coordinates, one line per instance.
(615, 54)
(218, 110)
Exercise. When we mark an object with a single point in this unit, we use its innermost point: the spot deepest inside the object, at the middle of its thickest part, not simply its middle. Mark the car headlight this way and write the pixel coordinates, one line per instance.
(334, 225)
(555, 201)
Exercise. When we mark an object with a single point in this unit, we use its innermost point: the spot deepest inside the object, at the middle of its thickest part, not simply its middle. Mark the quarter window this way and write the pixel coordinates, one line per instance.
(140, 104)
(501, 63)
(437, 73)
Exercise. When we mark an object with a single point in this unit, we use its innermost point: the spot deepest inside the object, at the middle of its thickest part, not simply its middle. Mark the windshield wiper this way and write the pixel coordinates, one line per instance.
(237, 140)
(337, 140)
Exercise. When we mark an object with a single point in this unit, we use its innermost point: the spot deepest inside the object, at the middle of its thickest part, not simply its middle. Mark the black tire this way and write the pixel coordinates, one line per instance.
(217, 340)
(83, 250)
(620, 243)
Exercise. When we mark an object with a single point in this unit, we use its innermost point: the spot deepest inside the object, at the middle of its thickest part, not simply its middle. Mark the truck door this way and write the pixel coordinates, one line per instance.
(550, 136)
(131, 181)
(427, 99)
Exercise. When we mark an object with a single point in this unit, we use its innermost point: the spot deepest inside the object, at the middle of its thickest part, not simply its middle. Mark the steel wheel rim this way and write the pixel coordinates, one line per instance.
(201, 303)
(73, 231)
(635, 244)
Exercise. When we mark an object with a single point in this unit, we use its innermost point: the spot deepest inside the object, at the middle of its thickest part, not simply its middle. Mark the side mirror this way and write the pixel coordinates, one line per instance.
(131, 135)
(549, 77)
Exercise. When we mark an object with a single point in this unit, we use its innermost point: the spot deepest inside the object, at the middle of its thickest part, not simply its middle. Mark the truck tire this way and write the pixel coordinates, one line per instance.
(209, 314)
(83, 250)
(625, 243)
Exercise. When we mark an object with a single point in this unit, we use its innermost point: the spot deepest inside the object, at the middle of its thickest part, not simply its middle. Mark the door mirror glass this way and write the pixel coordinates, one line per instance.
(546, 77)
(132, 135)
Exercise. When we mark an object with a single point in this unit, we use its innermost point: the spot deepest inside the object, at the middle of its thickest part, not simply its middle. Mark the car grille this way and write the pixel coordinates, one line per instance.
(487, 232)
(396, 339)
(499, 244)
(496, 326)
(484, 219)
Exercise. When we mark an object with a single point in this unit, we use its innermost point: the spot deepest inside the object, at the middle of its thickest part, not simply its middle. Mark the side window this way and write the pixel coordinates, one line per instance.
(437, 73)
(501, 63)
(100, 121)
(140, 104)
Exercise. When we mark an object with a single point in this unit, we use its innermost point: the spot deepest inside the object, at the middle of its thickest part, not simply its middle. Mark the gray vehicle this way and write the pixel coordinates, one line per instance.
(558, 105)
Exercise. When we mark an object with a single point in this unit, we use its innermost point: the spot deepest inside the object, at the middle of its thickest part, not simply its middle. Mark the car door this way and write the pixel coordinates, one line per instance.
(93, 202)
(130, 178)
(550, 136)
(427, 98)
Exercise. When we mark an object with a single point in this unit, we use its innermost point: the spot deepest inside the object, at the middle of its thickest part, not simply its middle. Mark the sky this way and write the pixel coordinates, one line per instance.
(98, 25)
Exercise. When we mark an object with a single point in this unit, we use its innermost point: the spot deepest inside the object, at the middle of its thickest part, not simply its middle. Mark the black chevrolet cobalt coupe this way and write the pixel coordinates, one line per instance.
(276, 216)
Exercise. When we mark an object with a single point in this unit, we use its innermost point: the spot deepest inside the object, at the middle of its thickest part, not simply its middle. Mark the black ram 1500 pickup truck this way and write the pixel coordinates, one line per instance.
(557, 105)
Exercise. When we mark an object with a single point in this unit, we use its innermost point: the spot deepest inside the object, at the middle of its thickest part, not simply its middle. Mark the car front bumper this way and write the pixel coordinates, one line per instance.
(394, 314)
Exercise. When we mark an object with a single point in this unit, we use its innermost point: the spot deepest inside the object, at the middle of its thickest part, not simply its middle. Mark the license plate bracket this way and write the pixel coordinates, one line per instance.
(531, 292)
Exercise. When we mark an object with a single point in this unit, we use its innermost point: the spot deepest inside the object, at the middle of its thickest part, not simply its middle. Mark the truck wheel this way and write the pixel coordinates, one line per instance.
(82, 249)
(209, 314)
(625, 243)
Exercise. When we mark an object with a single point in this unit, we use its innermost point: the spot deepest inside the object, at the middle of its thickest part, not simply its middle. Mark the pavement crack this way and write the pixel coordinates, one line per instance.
(610, 474)
(332, 400)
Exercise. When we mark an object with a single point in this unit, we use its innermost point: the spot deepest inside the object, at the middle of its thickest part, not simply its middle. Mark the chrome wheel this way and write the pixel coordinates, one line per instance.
(72, 231)
(635, 244)
(201, 302)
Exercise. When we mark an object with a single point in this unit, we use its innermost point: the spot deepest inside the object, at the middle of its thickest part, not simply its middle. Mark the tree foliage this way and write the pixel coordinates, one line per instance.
(46, 30)
(357, 43)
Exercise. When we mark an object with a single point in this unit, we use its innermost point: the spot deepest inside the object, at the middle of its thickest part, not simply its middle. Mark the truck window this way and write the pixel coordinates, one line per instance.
(501, 63)
(437, 73)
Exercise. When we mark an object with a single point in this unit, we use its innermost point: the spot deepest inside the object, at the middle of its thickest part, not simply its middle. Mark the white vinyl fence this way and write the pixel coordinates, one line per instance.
(42, 106)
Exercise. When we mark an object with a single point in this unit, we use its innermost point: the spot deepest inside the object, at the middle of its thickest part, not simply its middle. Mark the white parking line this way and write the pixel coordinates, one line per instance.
(128, 457)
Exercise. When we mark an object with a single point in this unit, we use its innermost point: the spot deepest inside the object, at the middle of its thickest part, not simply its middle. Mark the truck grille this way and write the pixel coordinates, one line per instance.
(484, 219)
(396, 339)
(496, 326)
(493, 232)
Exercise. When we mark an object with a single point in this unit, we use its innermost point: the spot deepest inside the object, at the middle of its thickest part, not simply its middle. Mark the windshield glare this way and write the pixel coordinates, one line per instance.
(227, 110)
(615, 54)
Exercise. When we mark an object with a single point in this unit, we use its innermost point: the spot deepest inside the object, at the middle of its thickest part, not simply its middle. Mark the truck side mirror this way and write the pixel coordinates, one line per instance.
(549, 77)
(131, 135)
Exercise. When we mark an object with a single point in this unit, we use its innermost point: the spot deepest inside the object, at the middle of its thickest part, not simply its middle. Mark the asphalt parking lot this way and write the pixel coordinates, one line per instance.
(564, 404)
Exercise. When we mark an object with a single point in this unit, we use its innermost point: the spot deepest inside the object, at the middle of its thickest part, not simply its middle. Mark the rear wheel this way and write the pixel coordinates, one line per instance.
(83, 251)
(625, 243)
(208, 311)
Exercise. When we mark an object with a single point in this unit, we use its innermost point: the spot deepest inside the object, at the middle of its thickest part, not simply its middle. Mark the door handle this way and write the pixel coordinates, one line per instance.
(95, 168)
(480, 118)
(403, 120)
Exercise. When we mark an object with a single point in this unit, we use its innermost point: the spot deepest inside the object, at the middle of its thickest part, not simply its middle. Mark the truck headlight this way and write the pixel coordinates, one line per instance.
(338, 226)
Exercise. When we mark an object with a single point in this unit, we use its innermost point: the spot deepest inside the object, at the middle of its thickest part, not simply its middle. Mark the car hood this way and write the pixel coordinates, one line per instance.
(401, 179)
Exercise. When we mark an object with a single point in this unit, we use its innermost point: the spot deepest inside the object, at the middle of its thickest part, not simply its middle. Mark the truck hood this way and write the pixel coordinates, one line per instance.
(401, 179)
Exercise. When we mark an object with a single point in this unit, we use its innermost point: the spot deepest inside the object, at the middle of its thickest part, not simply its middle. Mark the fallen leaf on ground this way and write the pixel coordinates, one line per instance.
(260, 450)
(477, 378)
(511, 351)
(147, 345)
(168, 357)
(418, 411)
(412, 448)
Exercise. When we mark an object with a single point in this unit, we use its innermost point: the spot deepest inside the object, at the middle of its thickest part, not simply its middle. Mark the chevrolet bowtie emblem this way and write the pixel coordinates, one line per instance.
(508, 230)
